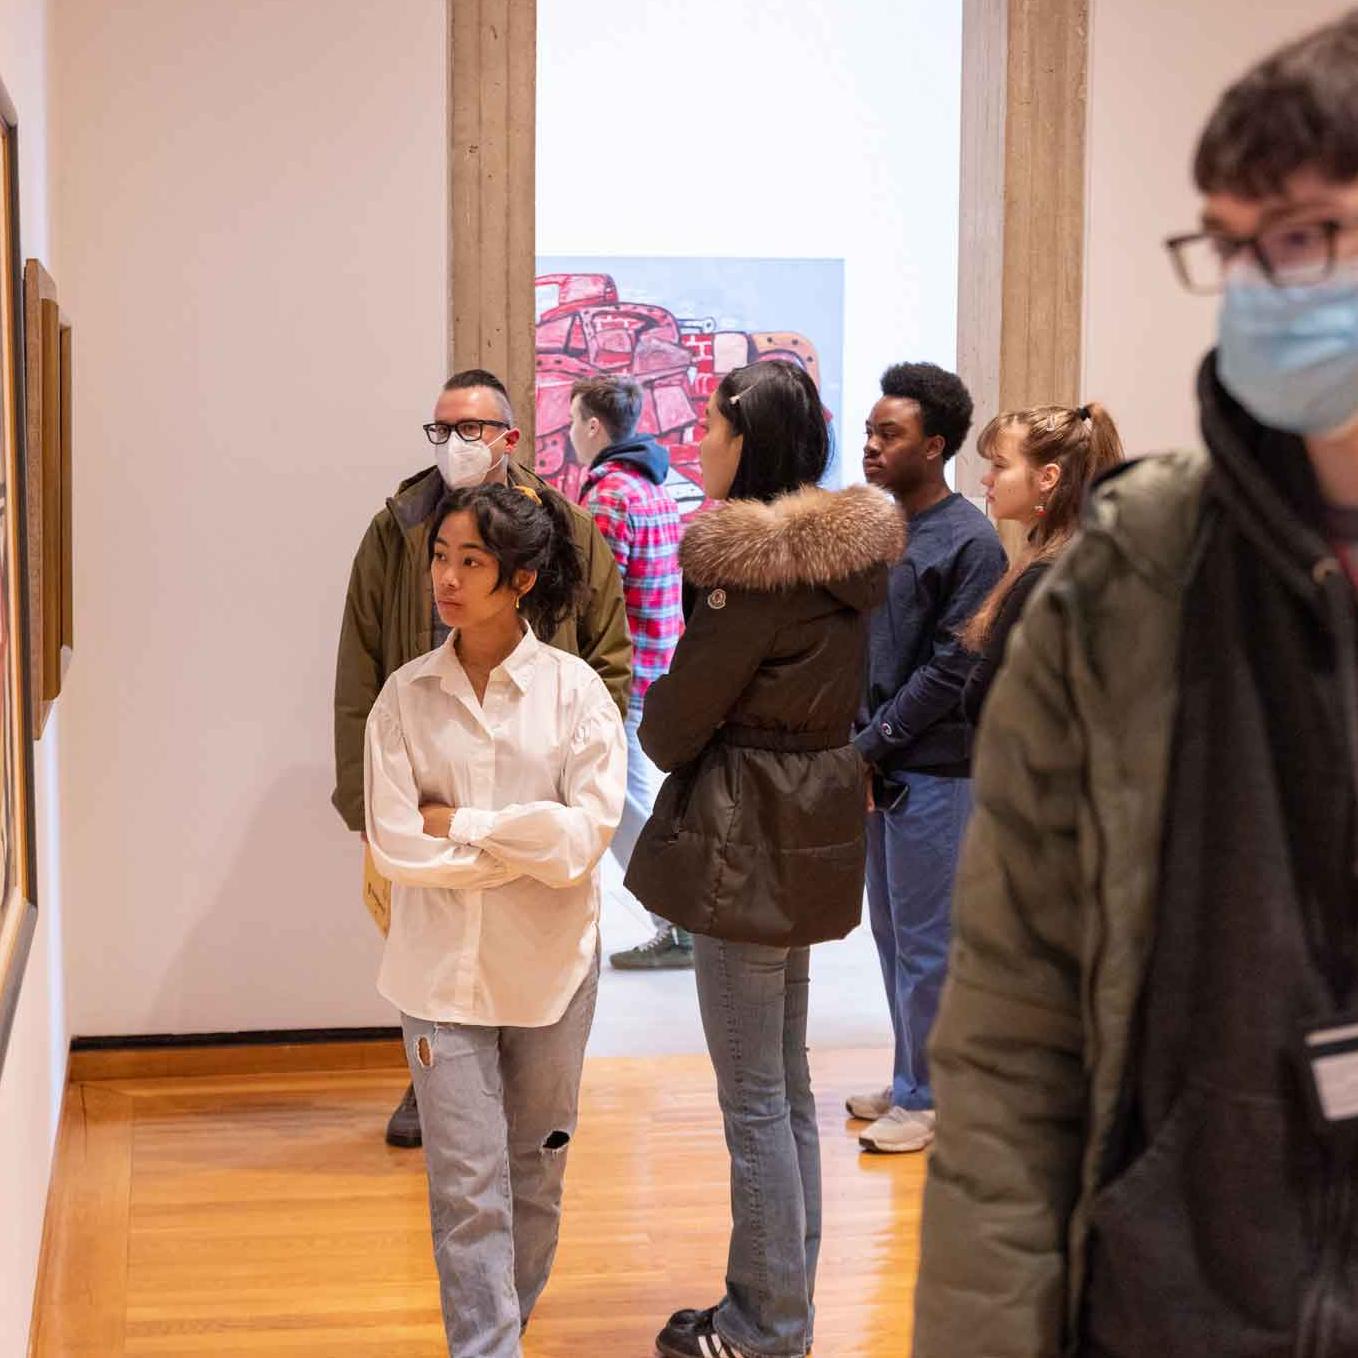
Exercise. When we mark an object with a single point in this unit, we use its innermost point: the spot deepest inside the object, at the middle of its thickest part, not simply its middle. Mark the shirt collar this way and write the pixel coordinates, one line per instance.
(518, 665)
(442, 663)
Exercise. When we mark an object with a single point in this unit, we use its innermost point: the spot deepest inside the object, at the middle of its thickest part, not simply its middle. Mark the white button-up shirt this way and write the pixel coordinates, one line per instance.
(498, 923)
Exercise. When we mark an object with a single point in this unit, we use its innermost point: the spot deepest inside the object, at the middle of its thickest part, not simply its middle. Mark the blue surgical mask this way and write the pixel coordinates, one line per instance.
(1289, 355)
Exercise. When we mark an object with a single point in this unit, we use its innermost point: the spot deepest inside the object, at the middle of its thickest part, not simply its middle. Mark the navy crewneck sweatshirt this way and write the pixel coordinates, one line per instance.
(912, 720)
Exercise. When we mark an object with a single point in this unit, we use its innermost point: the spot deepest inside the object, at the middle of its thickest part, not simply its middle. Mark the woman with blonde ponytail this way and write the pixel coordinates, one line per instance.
(1042, 464)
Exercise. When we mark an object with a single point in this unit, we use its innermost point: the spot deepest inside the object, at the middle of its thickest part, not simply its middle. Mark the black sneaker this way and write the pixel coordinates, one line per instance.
(696, 1339)
(689, 1319)
(404, 1128)
(666, 951)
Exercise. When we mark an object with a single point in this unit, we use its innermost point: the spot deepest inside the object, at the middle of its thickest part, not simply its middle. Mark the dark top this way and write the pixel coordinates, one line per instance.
(988, 663)
(911, 720)
(650, 458)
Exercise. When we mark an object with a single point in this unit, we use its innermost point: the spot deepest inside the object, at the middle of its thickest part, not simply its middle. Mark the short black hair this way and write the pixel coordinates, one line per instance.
(775, 408)
(943, 399)
(1297, 109)
(480, 377)
(476, 377)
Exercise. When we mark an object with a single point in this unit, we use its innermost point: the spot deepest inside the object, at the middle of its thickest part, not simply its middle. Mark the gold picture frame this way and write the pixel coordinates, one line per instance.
(18, 860)
(47, 390)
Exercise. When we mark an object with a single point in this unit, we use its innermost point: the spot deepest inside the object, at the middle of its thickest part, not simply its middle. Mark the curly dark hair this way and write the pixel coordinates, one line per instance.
(944, 402)
(776, 409)
(1296, 109)
(524, 532)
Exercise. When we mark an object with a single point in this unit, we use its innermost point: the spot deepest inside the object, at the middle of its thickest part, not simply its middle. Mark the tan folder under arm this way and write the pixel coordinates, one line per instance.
(376, 893)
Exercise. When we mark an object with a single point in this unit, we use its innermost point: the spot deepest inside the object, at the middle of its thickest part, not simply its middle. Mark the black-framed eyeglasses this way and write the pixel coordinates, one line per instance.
(1293, 254)
(469, 431)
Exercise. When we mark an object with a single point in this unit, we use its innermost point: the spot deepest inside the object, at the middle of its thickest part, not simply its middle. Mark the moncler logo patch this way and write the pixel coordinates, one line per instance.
(717, 599)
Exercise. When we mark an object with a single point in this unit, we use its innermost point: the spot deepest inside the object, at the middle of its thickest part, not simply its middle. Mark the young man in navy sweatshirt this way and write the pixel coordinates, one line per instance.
(912, 730)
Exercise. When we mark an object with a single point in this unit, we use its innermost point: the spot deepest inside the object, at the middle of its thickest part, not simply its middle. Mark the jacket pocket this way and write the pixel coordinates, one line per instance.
(794, 861)
(790, 898)
(677, 860)
(1199, 1247)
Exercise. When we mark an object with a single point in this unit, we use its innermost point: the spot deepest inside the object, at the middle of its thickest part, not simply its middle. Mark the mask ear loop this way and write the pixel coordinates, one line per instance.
(504, 456)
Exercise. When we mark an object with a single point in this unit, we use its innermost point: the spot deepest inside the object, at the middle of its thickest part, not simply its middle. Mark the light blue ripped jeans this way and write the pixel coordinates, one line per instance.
(498, 1109)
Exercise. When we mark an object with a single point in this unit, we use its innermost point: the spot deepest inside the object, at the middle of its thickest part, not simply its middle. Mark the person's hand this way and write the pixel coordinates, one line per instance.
(438, 819)
(872, 801)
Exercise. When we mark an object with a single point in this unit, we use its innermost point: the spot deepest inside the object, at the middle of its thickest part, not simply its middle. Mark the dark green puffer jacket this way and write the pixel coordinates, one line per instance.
(1053, 919)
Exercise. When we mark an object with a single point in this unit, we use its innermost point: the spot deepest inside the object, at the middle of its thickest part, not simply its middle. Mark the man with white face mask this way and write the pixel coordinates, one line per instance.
(1146, 1063)
(389, 613)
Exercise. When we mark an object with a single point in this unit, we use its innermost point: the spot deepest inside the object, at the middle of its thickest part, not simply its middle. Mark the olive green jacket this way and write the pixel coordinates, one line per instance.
(1053, 922)
(389, 617)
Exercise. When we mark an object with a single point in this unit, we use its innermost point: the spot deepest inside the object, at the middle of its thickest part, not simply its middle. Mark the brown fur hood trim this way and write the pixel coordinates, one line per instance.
(811, 537)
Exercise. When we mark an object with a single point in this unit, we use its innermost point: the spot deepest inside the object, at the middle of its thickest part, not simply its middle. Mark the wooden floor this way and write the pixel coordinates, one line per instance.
(254, 1214)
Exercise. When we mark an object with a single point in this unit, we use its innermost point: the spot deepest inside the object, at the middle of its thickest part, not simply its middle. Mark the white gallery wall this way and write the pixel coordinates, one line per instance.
(251, 205)
(787, 129)
(1156, 68)
(35, 1064)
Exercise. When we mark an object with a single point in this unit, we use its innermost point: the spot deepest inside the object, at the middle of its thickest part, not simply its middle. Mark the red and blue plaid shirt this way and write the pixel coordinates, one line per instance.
(640, 521)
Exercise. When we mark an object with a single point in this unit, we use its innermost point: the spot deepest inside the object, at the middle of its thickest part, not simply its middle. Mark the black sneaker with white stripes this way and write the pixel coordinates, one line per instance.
(693, 1334)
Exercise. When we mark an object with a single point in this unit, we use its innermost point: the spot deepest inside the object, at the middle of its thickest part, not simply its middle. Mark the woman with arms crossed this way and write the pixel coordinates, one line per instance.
(495, 774)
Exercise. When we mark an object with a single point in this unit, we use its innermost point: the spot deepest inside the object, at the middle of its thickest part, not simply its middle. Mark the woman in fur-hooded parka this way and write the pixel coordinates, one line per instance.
(757, 841)
(758, 834)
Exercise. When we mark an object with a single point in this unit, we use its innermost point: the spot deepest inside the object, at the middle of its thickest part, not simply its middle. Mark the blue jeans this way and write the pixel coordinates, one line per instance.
(498, 1109)
(753, 1001)
(912, 860)
(643, 783)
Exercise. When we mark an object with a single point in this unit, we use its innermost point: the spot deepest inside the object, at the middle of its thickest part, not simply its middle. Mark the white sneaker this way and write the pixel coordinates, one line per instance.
(869, 1107)
(899, 1130)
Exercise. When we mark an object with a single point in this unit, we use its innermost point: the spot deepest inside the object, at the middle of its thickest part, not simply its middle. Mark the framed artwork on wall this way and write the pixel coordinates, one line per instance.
(18, 862)
(47, 389)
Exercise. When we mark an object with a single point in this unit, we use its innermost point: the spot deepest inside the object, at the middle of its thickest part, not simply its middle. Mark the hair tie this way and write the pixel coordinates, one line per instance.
(530, 492)
(1083, 413)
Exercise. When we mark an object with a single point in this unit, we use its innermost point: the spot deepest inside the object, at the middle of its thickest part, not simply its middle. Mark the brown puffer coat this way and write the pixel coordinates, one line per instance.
(758, 834)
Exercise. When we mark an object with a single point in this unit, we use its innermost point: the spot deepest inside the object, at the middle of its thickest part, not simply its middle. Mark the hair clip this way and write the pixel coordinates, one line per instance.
(530, 492)
(1082, 413)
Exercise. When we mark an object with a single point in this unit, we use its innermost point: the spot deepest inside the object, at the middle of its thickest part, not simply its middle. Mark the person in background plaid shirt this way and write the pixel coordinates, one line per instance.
(625, 492)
